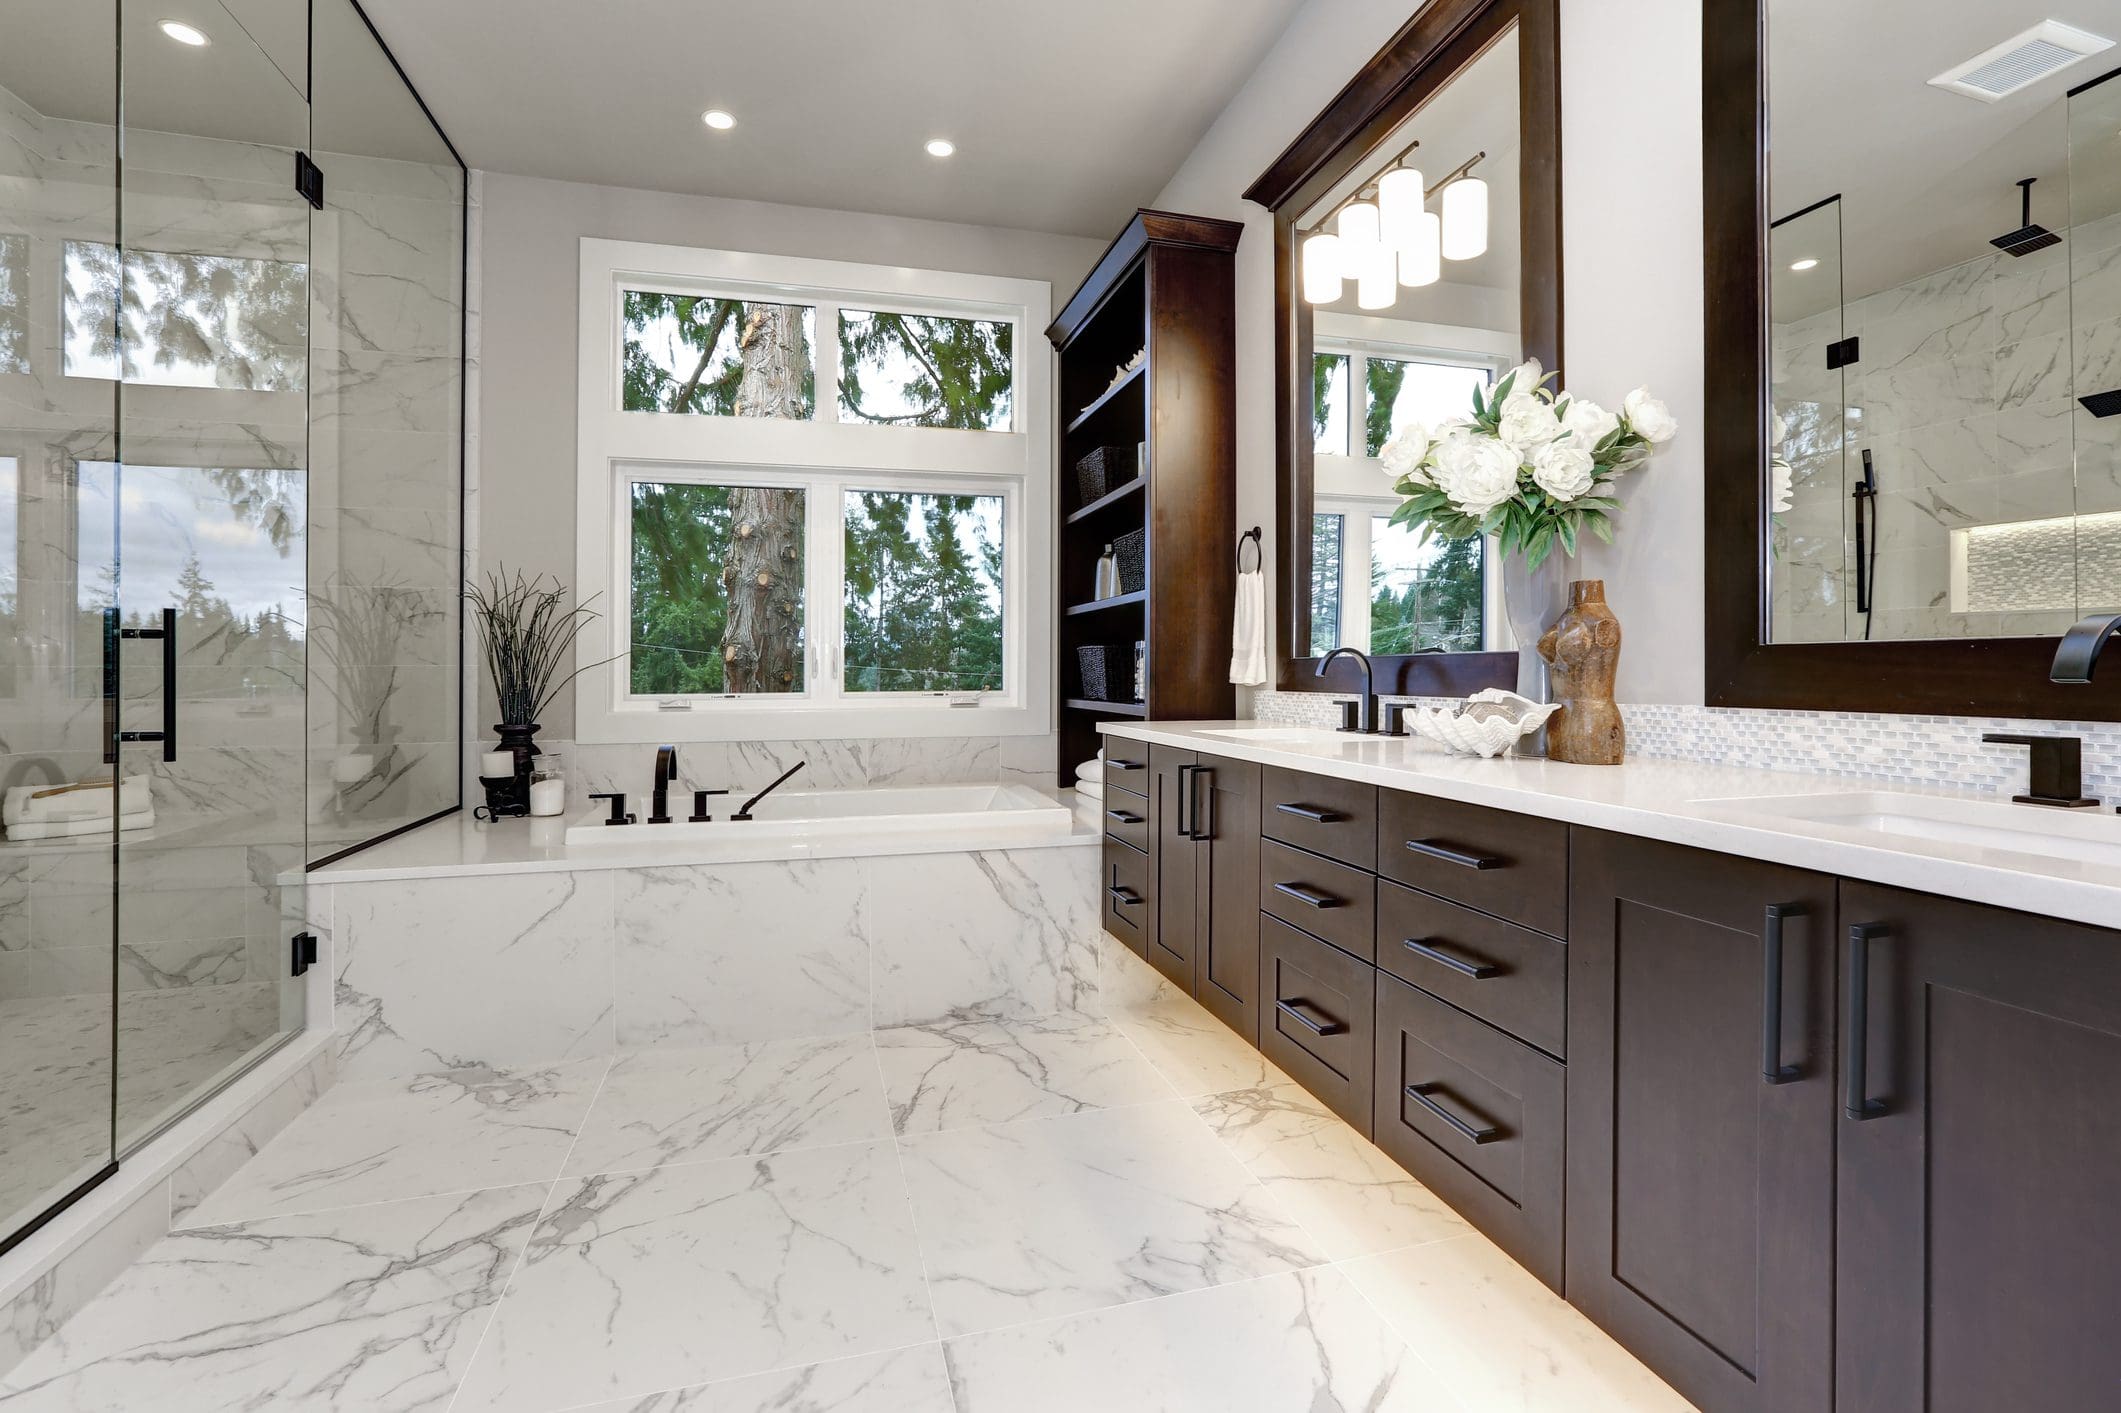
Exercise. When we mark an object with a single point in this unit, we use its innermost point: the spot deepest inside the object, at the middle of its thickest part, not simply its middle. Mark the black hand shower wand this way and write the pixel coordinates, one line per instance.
(1865, 495)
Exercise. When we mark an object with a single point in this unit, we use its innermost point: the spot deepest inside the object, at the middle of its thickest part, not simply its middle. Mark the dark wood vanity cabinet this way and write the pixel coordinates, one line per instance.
(1701, 1117)
(1977, 1261)
(1204, 862)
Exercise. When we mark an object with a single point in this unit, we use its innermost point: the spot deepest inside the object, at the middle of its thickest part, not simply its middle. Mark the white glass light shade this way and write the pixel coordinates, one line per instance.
(1465, 219)
(1377, 278)
(1323, 278)
(1358, 232)
(1399, 198)
(1421, 259)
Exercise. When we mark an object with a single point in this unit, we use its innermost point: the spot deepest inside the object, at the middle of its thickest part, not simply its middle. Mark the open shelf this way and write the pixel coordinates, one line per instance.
(1108, 499)
(1103, 399)
(1076, 610)
(1108, 708)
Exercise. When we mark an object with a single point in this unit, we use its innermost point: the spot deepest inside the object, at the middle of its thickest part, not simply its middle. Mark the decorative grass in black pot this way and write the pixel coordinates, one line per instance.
(529, 635)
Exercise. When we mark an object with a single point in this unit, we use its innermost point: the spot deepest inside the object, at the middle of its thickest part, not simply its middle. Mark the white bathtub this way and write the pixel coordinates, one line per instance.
(981, 816)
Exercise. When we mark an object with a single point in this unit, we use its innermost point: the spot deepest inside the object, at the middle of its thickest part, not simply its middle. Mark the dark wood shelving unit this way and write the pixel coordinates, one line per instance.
(1166, 288)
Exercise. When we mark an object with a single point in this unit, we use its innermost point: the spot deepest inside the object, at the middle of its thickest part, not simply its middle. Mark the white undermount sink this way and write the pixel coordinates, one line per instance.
(2090, 836)
(1286, 735)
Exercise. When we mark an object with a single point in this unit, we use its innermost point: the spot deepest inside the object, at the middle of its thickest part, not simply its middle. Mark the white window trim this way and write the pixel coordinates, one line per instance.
(614, 446)
(1356, 548)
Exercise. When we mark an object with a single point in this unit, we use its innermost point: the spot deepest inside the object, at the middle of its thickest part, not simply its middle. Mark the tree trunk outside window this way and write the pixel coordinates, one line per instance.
(762, 642)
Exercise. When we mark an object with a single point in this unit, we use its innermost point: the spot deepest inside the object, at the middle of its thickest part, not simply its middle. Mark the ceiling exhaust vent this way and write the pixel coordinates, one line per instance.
(2021, 61)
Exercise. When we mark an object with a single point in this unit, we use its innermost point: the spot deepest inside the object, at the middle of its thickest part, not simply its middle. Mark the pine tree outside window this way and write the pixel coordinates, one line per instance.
(822, 506)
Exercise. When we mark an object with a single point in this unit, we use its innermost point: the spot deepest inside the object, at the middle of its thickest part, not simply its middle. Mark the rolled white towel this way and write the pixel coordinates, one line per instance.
(77, 828)
(88, 800)
(1094, 794)
(1091, 771)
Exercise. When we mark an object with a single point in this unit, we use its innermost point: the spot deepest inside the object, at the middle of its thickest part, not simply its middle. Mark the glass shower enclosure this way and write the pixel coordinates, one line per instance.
(231, 341)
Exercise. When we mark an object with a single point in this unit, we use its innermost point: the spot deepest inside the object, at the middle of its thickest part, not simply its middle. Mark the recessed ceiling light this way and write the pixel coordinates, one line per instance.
(718, 120)
(1800, 266)
(184, 33)
(941, 147)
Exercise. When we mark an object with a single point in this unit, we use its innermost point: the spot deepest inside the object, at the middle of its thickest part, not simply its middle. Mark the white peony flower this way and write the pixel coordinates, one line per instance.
(1403, 454)
(1478, 473)
(1650, 419)
(1587, 422)
(1528, 423)
(1524, 378)
(1564, 470)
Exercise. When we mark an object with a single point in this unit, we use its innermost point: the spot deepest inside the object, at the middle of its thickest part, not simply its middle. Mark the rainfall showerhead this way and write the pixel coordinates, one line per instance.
(2028, 237)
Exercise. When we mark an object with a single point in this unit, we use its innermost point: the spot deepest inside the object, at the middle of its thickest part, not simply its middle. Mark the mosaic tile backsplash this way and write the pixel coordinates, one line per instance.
(1894, 750)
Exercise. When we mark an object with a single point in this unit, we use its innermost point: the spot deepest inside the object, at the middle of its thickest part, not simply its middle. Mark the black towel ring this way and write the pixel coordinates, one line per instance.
(1259, 546)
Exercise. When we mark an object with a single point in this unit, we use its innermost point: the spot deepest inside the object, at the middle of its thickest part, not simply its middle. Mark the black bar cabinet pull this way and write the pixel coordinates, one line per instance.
(110, 686)
(1115, 763)
(1470, 1132)
(1312, 813)
(1203, 818)
(1479, 971)
(1310, 897)
(1858, 1104)
(1299, 1011)
(1185, 800)
(1771, 1067)
(1123, 816)
(167, 633)
(1434, 850)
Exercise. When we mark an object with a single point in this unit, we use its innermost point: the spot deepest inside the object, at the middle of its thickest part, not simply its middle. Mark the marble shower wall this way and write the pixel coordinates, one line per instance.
(500, 969)
(1965, 393)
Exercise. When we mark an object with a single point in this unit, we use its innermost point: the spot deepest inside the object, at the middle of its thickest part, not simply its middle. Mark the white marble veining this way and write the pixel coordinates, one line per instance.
(962, 1073)
(1196, 1052)
(1300, 1340)
(687, 1106)
(1042, 1217)
(912, 1380)
(639, 1282)
(386, 1139)
(375, 1309)
(1681, 802)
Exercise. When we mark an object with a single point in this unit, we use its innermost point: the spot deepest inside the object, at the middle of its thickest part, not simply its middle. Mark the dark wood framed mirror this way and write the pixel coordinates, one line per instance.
(1944, 387)
(1461, 80)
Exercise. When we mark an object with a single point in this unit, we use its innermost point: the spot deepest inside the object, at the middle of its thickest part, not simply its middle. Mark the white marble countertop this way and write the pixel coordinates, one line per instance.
(458, 844)
(1682, 802)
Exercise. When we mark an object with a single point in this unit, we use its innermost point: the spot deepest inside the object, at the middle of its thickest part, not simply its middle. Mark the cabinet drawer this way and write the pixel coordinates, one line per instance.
(1126, 766)
(1510, 865)
(1325, 899)
(1337, 818)
(1507, 975)
(1477, 1117)
(1318, 1017)
(1126, 894)
(1127, 820)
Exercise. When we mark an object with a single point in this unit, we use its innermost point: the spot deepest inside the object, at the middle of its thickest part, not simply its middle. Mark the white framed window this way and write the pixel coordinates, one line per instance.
(1372, 585)
(817, 498)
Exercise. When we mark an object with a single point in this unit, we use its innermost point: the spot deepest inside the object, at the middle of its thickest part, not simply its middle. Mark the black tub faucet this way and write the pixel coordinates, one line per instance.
(1365, 712)
(2079, 651)
(745, 812)
(666, 771)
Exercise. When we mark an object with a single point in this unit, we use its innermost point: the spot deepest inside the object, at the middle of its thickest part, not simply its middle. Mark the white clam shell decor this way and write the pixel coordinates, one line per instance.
(1485, 724)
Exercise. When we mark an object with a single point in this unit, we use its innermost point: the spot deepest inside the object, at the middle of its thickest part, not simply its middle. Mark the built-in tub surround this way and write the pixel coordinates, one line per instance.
(462, 944)
(1725, 809)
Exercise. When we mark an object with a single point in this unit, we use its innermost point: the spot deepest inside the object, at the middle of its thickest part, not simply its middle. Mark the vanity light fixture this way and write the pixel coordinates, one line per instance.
(185, 34)
(1807, 263)
(1323, 281)
(1465, 219)
(1384, 236)
(718, 120)
(1400, 194)
(1377, 278)
(941, 147)
(1421, 260)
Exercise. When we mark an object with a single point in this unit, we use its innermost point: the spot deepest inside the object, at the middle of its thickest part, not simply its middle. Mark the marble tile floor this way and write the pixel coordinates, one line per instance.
(1127, 1211)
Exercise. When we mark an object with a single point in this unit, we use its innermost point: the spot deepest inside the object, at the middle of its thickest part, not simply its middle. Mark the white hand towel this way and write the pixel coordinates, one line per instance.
(1093, 793)
(1248, 630)
(90, 801)
(1091, 772)
(77, 828)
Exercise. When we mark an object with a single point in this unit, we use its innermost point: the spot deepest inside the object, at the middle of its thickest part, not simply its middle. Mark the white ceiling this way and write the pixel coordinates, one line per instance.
(1926, 176)
(1066, 115)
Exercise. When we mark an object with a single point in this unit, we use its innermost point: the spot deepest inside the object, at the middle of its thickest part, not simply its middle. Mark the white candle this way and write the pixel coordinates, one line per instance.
(548, 796)
(495, 764)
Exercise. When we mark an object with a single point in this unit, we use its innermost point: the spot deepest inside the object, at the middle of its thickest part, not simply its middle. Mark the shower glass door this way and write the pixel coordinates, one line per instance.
(210, 280)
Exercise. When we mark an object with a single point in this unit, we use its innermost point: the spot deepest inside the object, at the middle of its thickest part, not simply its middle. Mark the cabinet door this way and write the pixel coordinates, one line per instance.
(1227, 948)
(1701, 1118)
(1174, 868)
(1979, 1260)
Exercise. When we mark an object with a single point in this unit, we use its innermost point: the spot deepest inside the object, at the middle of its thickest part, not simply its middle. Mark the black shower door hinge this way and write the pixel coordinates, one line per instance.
(1840, 355)
(305, 952)
(309, 180)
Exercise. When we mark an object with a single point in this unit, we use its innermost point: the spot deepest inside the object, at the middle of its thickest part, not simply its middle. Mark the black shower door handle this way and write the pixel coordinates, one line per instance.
(112, 636)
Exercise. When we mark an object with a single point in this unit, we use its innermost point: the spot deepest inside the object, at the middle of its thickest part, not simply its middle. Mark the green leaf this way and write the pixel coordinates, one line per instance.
(1601, 527)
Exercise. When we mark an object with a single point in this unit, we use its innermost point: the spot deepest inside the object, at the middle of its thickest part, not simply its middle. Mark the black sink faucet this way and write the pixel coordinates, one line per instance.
(2079, 651)
(666, 771)
(1366, 711)
(2058, 770)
